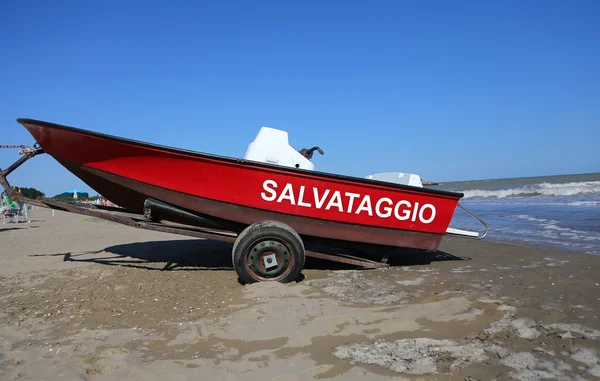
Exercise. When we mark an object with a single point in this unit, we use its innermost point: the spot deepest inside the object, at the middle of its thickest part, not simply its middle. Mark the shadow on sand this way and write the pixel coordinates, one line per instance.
(196, 254)
(7, 229)
(18, 227)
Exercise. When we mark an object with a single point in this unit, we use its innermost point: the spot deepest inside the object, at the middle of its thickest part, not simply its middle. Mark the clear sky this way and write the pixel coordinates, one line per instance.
(451, 90)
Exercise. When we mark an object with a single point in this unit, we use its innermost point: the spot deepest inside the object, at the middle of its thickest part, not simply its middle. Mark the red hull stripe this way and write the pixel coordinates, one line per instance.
(253, 186)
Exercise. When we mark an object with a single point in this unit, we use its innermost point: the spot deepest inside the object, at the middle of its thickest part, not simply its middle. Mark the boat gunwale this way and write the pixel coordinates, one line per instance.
(250, 163)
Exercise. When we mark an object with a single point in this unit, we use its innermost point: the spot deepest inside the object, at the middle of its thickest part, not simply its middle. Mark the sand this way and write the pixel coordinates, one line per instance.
(87, 299)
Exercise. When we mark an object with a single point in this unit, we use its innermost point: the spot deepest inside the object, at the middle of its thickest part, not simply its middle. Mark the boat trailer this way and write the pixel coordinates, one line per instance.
(150, 220)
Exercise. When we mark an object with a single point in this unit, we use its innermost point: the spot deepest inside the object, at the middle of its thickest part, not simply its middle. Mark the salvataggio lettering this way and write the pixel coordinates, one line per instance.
(345, 202)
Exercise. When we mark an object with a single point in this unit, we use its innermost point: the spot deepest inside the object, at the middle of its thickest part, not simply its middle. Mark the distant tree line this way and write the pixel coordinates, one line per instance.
(69, 196)
(29, 192)
(34, 193)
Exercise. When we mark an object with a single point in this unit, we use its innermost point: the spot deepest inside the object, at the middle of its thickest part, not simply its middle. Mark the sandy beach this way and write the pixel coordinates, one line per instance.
(87, 299)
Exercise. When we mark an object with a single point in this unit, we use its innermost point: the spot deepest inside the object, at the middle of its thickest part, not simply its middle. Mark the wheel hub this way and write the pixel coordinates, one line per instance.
(269, 258)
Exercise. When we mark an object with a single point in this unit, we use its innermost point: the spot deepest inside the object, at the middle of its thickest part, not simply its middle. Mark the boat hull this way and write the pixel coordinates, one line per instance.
(239, 192)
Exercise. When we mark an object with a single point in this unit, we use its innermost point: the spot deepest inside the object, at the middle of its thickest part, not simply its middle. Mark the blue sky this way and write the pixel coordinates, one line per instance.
(451, 90)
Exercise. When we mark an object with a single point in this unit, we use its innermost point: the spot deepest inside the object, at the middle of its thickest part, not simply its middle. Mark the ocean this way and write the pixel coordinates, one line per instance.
(548, 211)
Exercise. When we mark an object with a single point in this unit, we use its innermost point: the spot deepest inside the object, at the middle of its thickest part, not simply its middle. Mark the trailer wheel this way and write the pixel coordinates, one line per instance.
(268, 251)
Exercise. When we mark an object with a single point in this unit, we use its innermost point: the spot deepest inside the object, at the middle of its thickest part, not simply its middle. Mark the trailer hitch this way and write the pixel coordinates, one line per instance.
(28, 153)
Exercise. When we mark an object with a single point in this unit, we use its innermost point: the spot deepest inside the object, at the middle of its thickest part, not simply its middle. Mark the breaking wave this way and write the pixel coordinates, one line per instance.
(584, 203)
(543, 189)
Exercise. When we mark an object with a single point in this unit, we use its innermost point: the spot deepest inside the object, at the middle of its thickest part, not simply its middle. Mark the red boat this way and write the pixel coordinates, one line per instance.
(272, 202)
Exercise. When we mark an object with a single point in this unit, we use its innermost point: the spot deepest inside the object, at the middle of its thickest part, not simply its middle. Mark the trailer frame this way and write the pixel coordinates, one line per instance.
(147, 222)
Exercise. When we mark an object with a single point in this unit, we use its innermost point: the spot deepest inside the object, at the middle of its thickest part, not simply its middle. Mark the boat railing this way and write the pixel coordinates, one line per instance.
(478, 219)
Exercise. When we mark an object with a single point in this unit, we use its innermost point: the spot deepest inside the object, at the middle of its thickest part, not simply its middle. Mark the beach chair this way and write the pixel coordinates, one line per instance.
(10, 210)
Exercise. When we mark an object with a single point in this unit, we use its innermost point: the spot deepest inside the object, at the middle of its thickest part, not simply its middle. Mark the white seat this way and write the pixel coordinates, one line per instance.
(272, 146)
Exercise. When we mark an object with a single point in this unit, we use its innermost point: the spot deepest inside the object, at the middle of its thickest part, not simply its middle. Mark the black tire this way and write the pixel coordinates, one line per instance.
(268, 242)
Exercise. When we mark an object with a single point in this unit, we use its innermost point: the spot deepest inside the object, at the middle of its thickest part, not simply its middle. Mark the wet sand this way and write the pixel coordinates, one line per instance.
(87, 299)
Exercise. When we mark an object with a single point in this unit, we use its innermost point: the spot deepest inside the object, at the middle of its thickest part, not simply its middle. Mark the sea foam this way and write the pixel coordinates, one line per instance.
(543, 189)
